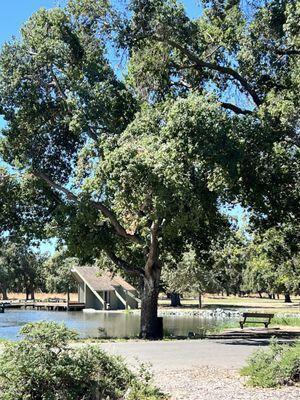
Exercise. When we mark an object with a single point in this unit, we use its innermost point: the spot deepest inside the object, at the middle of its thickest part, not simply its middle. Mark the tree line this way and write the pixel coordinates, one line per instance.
(25, 270)
(267, 262)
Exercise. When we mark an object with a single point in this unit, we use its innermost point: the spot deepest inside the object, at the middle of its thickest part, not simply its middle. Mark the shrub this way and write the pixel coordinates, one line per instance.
(42, 366)
(142, 388)
(279, 365)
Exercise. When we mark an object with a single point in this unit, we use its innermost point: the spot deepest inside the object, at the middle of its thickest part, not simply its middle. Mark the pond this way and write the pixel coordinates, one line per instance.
(101, 324)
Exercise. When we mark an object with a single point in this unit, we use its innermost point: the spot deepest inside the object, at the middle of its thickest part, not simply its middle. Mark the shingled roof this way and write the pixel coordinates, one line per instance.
(101, 281)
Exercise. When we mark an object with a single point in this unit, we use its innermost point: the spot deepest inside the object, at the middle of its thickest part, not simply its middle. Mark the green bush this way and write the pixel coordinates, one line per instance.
(42, 366)
(279, 365)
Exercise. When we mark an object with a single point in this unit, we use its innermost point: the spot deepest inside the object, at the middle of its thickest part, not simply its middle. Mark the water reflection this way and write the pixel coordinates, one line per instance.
(116, 324)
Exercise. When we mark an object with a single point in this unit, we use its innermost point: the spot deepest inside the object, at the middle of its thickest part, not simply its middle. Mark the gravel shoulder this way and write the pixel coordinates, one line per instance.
(210, 383)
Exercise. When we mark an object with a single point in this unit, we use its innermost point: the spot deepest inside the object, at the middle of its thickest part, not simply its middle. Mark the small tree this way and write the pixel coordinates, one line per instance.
(229, 260)
(273, 264)
(57, 273)
(192, 273)
(21, 268)
(7, 272)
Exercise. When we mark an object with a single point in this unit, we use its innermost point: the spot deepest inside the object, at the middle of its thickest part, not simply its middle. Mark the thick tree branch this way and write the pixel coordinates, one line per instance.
(70, 196)
(124, 265)
(213, 66)
(119, 229)
(236, 109)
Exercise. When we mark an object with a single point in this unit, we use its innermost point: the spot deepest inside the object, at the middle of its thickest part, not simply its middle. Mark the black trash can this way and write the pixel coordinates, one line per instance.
(160, 328)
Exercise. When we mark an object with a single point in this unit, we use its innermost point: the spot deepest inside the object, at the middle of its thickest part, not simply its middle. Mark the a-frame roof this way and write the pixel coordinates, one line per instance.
(99, 280)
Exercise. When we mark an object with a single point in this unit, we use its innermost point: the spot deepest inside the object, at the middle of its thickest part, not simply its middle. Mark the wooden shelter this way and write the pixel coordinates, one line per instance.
(103, 290)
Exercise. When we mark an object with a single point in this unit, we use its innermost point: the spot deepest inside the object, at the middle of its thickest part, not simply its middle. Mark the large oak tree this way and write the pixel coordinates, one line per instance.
(139, 168)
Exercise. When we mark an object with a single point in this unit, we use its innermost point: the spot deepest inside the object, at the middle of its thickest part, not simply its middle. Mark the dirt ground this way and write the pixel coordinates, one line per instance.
(43, 296)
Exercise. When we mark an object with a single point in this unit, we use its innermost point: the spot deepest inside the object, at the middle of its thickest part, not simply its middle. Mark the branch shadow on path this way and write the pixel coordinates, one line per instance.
(253, 342)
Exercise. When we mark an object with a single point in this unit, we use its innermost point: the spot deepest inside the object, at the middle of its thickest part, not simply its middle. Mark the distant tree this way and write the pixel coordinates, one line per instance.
(21, 268)
(58, 276)
(230, 257)
(7, 270)
(191, 274)
(273, 265)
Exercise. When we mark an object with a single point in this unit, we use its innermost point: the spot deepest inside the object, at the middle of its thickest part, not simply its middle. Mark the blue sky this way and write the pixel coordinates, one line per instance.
(13, 13)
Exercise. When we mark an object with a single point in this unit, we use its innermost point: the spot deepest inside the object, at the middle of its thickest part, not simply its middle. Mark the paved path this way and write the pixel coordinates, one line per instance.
(186, 354)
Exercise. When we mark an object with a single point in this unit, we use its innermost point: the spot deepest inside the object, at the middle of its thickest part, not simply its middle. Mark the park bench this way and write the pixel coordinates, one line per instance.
(261, 319)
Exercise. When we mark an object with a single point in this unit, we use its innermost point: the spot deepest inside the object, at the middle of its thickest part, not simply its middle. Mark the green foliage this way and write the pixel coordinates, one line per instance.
(229, 260)
(43, 366)
(190, 274)
(218, 267)
(57, 273)
(279, 365)
(21, 268)
(273, 261)
(143, 387)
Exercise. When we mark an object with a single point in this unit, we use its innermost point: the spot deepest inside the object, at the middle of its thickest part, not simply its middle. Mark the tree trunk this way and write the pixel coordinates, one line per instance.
(32, 295)
(151, 326)
(200, 300)
(149, 323)
(4, 293)
(287, 298)
(175, 300)
(260, 295)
